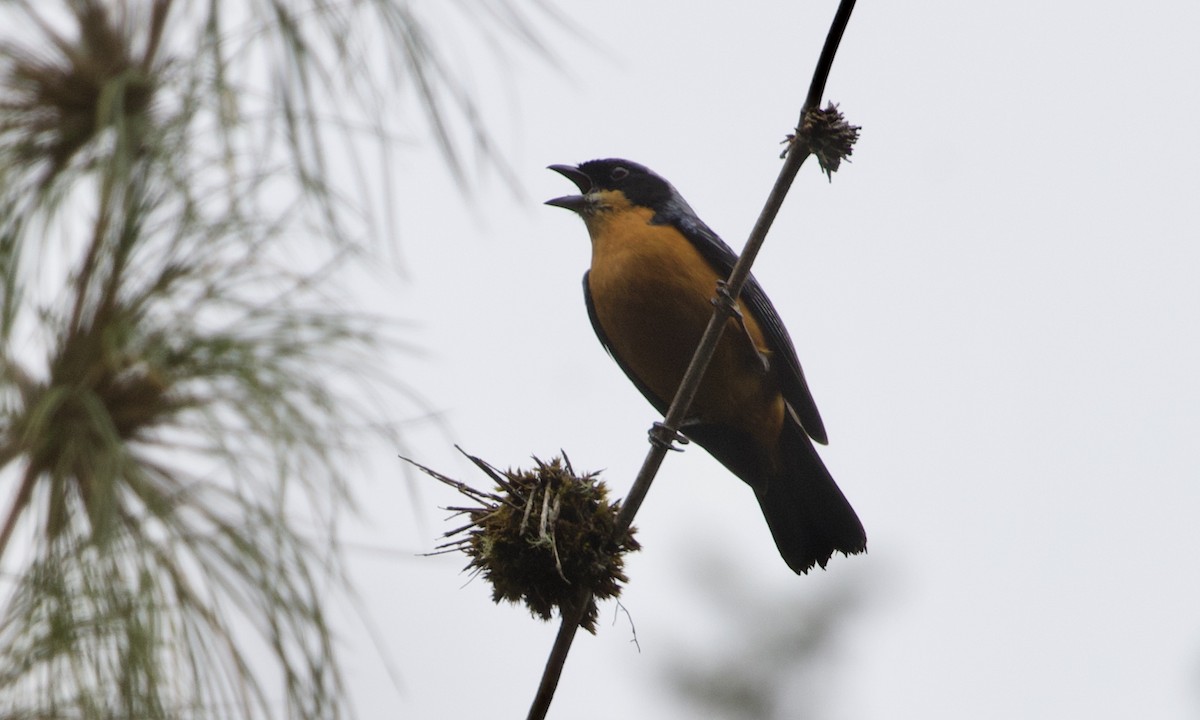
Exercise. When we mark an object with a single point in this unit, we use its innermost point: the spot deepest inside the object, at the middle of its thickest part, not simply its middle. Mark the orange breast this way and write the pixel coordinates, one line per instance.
(651, 292)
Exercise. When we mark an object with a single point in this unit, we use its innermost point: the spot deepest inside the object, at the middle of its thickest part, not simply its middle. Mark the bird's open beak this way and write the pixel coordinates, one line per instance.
(574, 203)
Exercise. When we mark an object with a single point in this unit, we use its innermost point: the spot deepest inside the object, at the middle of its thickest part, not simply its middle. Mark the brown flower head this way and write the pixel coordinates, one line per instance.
(543, 537)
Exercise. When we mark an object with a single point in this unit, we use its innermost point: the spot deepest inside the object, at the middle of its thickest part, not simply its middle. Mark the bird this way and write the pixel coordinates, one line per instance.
(655, 267)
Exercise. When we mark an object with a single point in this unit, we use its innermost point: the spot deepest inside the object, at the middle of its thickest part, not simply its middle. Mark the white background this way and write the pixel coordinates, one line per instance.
(997, 305)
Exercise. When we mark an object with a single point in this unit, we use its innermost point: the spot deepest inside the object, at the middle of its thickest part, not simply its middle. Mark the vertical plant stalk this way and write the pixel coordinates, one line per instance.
(724, 302)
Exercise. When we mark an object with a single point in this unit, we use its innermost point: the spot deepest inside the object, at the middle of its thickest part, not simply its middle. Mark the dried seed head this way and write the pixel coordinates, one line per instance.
(828, 136)
(543, 537)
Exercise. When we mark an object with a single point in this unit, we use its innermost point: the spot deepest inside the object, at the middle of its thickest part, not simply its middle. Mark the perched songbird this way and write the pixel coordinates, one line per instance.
(655, 268)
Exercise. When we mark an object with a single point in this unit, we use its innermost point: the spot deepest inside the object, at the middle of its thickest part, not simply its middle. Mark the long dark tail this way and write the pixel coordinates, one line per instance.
(809, 516)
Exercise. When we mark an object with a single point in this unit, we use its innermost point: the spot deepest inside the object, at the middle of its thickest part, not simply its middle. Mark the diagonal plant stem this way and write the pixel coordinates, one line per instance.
(724, 305)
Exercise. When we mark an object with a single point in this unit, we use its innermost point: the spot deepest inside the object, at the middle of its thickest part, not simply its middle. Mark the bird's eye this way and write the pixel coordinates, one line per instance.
(619, 173)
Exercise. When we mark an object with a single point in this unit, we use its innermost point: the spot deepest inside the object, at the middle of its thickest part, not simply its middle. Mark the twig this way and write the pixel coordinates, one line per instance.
(558, 658)
(724, 304)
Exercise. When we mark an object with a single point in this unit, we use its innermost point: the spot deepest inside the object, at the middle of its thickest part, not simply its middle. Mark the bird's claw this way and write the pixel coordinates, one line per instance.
(726, 300)
(664, 437)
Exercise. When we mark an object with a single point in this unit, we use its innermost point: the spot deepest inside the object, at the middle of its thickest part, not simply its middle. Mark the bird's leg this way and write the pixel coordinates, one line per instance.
(725, 299)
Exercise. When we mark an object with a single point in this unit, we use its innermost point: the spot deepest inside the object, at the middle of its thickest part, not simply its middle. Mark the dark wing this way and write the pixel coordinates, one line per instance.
(722, 257)
(659, 404)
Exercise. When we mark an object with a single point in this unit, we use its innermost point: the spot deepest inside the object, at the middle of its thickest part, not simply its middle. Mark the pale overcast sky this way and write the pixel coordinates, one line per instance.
(997, 305)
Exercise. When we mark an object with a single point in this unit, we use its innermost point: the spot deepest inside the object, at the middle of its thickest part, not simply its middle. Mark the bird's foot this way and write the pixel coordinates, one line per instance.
(726, 300)
(664, 437)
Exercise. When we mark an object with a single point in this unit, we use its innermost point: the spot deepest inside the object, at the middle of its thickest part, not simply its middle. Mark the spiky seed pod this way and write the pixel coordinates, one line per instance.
(828, 136)
(542, 537)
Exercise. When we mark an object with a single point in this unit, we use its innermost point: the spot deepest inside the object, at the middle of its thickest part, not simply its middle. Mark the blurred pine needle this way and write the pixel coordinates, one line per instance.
(173, 363)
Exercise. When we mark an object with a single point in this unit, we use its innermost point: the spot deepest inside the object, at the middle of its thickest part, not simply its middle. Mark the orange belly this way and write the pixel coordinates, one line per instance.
(651, 293)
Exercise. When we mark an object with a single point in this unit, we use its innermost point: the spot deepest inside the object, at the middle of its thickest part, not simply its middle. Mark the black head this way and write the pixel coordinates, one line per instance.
(640, 185)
